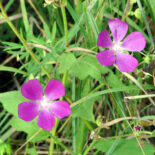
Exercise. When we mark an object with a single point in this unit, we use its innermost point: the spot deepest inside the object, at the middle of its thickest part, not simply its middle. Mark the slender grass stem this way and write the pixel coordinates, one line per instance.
(56, 124)
(146, 23)
(136, 133)
(53, 140)
(61, 144)
(89, 147)
(36, 11)
(64, 77)
(28, 140)
(65, 25)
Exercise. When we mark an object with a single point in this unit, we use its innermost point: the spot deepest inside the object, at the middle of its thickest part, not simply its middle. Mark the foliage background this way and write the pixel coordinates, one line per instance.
(59, 42)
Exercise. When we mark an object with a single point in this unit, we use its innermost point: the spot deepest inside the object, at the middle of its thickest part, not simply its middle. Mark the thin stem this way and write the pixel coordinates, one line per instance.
(65, 25)
(28, 140)
(127, 135)
(56, 124)
(52, 135)
(64, 124)
(127, 10)
(114, 137)
(37, 12)
(61, 144)
(22, 39)
(89, 147)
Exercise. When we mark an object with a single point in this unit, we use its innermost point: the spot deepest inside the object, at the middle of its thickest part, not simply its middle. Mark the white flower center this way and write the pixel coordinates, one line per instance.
(117, 46)
(44, 103)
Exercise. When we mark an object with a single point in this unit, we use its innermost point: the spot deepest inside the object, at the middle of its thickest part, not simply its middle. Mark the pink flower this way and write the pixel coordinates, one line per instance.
(44, 106)
(138, 128)
(133, 42)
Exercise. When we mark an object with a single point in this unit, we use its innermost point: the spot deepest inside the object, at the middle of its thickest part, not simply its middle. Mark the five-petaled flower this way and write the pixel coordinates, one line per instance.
(133, 42)
(44, 106)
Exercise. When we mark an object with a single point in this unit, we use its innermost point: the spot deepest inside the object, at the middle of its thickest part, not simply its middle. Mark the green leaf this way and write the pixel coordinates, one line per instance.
(66, 60)
(146, 23)
(91, 96)
(5, 148)
(151, 5)
(32, 151)
(85, 109)
(153, 133)
(76, 19)
(124, 146)
(11, 46)
(112, 79)
(85, 66)
(11, 69)
(10, 101)
(24, 14)
(47, 31)
(54, 30)
(81, 136)
(30, 128)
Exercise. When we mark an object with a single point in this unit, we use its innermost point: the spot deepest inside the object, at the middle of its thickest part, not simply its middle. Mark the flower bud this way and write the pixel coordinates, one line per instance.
(138, 14)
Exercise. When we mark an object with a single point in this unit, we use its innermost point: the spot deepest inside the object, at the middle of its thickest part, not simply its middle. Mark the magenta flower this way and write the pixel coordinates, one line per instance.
(133, 42)
(138, 128)
(44, 106)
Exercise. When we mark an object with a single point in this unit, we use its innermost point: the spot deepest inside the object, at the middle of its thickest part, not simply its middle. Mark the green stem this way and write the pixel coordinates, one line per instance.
(88, 124)
(127, 135)
(74, 120)
(22, 39)
(37, 12)
(56, 124)
(64, 124)
(61, 144)
(26, 149)
(89, 147)
(64, 77)
(52, 135)
(65, 25)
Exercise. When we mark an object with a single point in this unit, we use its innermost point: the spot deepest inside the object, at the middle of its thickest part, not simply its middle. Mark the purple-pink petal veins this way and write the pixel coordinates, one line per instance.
(106, 57)
(118, 29)
(104, 40)
(46, 120)
(60, 109)
(54, 90)
(126, 62)
(32, 90)
(134, 42)
(27, 111)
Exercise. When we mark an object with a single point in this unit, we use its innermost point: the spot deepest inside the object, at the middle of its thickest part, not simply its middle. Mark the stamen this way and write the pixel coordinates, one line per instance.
(117, 46)
(44, 103)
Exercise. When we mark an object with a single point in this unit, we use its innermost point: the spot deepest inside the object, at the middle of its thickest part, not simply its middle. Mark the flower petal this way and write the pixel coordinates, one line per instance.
(60, 109)
(27, 111)
(54, 90)
(104, 40)
(46, 120)
(134, 42)
(32, 90)
(126, 62)
(118, 29)
(106, 57)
